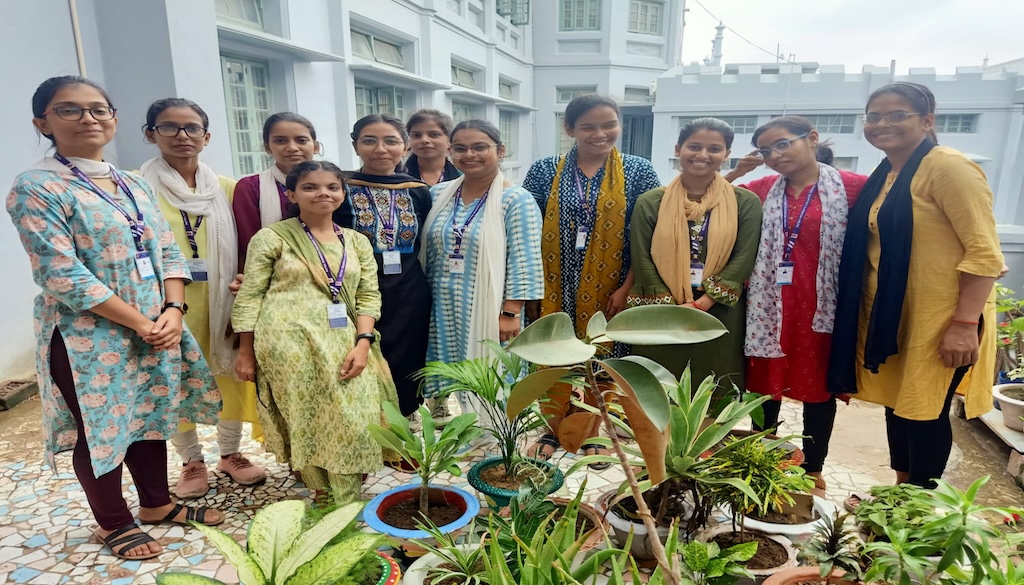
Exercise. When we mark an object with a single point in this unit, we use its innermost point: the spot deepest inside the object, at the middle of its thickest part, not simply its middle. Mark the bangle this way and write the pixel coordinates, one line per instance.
(964, 322)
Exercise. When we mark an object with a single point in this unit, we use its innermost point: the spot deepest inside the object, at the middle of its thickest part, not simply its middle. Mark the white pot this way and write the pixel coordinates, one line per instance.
(1012, 409)
(760, 575)
(824, 508)
(418, 570)
(640, 548)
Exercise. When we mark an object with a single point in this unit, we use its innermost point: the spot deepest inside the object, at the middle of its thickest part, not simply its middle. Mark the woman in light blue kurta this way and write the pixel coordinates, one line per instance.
(481, 251)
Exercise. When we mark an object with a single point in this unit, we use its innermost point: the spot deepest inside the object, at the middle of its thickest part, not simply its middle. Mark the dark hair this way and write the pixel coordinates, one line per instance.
(365, 121)
(438, 117)
(712, 124)
(308, 166)
(268, 126)
(484, 126)
(44, 95)
(824, 153)
(160, 106)
(795, 124)
(920, 98)
(584, 103)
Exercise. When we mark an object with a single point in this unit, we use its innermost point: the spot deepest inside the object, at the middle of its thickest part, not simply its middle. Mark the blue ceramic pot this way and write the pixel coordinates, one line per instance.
(461, 499)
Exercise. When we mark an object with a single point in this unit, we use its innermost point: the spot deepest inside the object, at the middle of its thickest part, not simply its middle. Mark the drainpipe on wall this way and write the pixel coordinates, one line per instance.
(76, 31)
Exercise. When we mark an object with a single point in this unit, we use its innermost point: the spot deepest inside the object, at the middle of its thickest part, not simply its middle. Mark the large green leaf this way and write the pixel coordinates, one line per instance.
(551, 341)
(660, 372)
(664, 325)
(272, 532)
(249, 572)
(306, 547)
(178, 578)
(335, 561)
(652, 439)
(596, 325)
(649, 391)
(532, 387)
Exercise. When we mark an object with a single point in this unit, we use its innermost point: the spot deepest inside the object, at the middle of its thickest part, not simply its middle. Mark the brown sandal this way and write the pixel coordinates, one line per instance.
(191, 515)
(852, 502)
(120, 542)
(545, 440)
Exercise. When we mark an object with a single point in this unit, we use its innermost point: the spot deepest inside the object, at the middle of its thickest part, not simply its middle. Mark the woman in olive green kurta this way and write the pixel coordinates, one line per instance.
(707, 237)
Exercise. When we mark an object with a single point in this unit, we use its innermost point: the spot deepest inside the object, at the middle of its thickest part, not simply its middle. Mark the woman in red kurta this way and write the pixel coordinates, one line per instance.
(792, 292)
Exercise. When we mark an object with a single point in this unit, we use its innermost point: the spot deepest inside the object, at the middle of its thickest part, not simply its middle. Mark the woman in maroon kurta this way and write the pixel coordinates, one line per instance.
(791, 300)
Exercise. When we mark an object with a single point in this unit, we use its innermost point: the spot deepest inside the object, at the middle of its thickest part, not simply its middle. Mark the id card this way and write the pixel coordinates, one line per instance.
(392, 262)
(697, 275)
(145, 265)
(784, 275)
(581, 238)
(337, 316)
(456, 264)
(197, 266)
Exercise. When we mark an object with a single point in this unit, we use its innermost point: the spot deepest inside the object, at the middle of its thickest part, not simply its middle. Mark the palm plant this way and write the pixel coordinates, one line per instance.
(832, 546)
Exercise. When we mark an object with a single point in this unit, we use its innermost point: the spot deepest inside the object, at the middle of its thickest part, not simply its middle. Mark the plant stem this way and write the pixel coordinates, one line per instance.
(672, 575)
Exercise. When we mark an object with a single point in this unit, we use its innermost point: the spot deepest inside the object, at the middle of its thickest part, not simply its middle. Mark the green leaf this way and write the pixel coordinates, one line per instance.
(660, 372)
(177, 578)
(741, 552)
(532, 387)
(649, 392)
(248, 569)
(596, 326)
(335, 562)
(551, 341)
(312, 541)
(272, 532)
(664, 325)
(696, 556)
(716, 568)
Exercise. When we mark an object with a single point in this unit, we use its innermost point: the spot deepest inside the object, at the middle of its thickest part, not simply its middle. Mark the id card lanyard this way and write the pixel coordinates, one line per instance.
(456, 260)
(784, 274)
(389, 222)
(196, 265)
(696, 266)
(137, 223)
(588, 206)
(337, 315)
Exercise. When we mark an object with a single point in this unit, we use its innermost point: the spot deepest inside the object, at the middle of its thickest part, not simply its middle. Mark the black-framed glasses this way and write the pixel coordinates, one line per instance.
(780, 146)
(172, 130)
(75, 113)
(893, 117)
(479, 148)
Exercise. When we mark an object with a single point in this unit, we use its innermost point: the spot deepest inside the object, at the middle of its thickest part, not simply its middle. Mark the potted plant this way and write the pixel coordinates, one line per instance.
(396, 512)
(892, 506)
(1010, 336)
(491, 380)
(831, 556)
(283, 549)
(448, 561)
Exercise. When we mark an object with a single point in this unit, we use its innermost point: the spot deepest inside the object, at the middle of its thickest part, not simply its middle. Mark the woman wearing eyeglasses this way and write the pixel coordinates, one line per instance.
(197, 205)
(916, 304)
(791, 299)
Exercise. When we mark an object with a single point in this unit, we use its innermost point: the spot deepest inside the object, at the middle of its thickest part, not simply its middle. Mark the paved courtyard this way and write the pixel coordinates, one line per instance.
(45, 524)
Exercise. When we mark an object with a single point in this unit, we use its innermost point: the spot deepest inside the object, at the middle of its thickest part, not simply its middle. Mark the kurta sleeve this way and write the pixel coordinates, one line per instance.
(538, 181)
(41, 220)
(172, 260)
(640, 177)
(726, 287)
(246, 206)
(961, 191)
(648, 287)
(266, 248)
(524, 268)
(368, 299)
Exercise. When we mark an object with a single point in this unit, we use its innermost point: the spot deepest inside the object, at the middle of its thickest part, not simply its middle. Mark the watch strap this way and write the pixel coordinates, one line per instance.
(509, 314)
(180, 306)
(369, 336)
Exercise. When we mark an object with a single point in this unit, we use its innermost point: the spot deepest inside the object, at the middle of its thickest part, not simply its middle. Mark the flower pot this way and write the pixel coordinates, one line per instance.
(760, 575)
(1011, 407)
(797, 575)
(374, 511)
(418, 570)
(621, 527)
(824, 508)
(601, 528)
(390, 572)
(496, 497)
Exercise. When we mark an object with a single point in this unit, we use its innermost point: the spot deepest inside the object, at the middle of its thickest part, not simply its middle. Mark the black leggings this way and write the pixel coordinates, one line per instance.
(921, 447)
(818, 421)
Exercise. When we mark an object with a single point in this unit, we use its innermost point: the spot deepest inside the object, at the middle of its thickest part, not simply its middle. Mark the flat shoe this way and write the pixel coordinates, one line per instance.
(119, 542)
(545, 440)
(191, 515)
(600, 466)
(852, 502)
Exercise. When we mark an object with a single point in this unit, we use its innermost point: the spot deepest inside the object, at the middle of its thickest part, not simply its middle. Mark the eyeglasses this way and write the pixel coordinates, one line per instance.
(893, 117)
(780, 146)
(170, 130)
(481, 148)
(75, 113)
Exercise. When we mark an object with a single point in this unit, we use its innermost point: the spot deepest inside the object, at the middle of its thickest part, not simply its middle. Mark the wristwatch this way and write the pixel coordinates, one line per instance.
(180, 306)
(505, 313)
(370, 336)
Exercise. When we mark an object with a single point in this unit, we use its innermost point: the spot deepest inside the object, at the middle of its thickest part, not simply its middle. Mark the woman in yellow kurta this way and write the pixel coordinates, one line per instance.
(916, 301)
(194, 199)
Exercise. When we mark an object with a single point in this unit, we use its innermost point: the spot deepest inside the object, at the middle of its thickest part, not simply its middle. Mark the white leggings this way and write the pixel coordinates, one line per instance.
(229, 436)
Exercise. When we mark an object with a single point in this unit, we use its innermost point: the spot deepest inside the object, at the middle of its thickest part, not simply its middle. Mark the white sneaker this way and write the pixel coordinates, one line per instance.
(439, 411)
(414, 422)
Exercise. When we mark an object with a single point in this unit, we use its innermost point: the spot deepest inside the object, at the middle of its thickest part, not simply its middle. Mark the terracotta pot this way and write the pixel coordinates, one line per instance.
(795, 575)
(390, 572)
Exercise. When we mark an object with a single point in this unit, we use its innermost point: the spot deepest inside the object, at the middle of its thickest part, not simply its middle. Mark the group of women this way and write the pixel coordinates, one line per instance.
(313, 295)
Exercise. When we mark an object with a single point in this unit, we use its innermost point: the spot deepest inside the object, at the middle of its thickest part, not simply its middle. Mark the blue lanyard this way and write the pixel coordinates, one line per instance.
(792, 235)
(460, 232)
(586, 204)
(334, 283)
(190, 232)
(387, 222)
(695, 242)
(137, 223)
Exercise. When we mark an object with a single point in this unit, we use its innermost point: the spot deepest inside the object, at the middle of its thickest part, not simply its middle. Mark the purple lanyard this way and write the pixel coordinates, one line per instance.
(695, 242)
(388, 223)
(333, 282)
(136, 224)
(460, 232)
(190, 233)
(791, 236)
(585, 203)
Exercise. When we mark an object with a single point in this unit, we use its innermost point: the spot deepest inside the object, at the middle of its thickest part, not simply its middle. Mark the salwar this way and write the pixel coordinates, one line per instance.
(345, 487)
(146, 460)
(818, 419)
(229, 440)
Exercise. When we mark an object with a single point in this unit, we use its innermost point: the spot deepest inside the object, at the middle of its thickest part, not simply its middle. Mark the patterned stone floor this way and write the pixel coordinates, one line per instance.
(45, 524)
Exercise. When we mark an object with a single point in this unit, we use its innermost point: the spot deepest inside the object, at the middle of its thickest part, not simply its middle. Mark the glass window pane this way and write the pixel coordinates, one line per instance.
(388, 53)
(361, 45)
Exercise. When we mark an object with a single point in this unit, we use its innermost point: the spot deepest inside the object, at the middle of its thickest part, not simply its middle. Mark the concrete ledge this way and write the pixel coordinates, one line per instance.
(14, 392)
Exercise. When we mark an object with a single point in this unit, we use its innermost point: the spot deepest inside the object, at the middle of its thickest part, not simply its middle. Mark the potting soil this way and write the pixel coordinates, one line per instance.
(406, 514)
(770, 554)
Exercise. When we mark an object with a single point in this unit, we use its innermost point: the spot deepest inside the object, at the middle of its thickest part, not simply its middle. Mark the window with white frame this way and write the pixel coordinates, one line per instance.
(367, 46)
(374, 99)
(845, 163)
(476, 16)
(508, 125)
(956, 123)
(832, 123)
(637, 95)
(462, 111)
(645, 16)
(463, 77)
(740, 124)
(565, 141)
(247, 97)
(564, 95)
(580, 15)
(246, 12)
(507, 89)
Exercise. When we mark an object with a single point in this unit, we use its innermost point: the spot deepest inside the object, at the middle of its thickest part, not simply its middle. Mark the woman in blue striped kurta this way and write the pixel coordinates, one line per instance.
(481, 251)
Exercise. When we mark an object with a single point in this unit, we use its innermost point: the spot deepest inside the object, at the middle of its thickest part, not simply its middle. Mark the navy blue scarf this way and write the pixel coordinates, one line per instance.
(895, 232)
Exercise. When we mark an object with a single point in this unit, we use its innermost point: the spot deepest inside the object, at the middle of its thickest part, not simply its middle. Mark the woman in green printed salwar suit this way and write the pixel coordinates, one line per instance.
(308, 340)
(694, 244)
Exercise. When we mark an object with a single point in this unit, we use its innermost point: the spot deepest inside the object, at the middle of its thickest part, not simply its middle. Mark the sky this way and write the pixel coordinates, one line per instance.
(943, 34)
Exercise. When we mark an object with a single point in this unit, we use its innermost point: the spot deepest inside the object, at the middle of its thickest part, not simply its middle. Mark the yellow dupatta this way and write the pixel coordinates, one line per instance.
(602, 264)
(670, 244)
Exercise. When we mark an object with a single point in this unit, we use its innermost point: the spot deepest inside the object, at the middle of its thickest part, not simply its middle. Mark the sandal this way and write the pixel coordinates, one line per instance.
(120, 542)
(819, 486)
(598, 466)
(539, 451)
(191, 515)
(852, 502)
